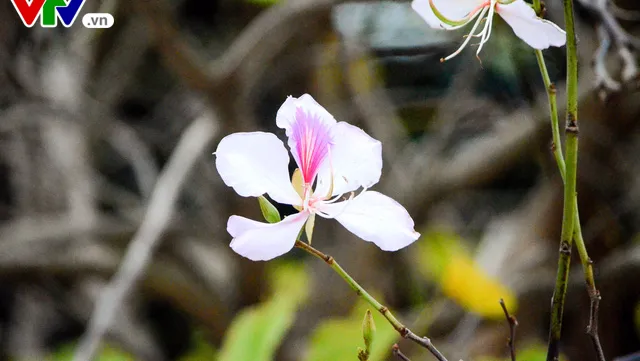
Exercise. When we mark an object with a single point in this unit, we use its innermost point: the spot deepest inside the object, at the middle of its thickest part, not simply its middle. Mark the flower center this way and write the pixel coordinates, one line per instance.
(312, 203)
(482, 13)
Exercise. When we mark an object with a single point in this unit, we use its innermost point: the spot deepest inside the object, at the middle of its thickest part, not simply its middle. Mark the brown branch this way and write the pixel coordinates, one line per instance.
(398, 353)
(610, 31)
(227, 80)
(159, 212)
(513, 324)
(592, 328)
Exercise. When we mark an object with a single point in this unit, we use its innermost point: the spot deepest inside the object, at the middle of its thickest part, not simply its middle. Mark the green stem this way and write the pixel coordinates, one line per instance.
(397, 325)
(566, 239)
(570, 197)
(587, 264)
(556, 147)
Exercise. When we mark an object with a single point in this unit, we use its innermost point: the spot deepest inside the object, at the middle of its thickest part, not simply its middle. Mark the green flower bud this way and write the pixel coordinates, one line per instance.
(269, 211)
(368, 330)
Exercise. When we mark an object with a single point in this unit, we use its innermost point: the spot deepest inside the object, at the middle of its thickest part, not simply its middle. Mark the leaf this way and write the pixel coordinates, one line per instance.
(443, 259)
(474, 290)
(107, 353)
(339, 338)
(435, 250)
(201, 350)
(533, 352)
(264, 3)
(256, 332)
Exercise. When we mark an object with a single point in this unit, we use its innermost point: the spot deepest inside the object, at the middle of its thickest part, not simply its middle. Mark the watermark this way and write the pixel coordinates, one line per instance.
(50, 11)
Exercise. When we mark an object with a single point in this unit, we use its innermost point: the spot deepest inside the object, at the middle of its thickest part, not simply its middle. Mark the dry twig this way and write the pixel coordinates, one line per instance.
(610, 31)
(513, 323)
(398, 353)
(161, 205)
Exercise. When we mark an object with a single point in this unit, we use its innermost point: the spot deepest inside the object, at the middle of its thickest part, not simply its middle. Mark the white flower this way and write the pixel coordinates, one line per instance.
(455, 14)
(338, 157)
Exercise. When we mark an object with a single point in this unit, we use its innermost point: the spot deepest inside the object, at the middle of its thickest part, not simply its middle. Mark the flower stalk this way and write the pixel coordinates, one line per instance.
(397, 325)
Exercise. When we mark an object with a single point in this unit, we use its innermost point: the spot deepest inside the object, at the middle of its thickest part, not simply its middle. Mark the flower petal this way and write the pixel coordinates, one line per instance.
(538, 33)
(375, 218)
(254, 164)
(451, 9)
(259, 241)
(355, 161)
(308, 126)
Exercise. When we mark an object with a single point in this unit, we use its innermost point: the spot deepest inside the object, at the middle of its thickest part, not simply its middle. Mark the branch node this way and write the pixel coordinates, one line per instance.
(565, 248)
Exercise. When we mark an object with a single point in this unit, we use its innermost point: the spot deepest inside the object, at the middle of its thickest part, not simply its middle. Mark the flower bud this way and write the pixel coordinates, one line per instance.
(269, 211)
(368, 330)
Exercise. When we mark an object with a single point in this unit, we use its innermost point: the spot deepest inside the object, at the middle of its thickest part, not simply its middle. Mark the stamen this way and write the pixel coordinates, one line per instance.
(346, 203)
(334, 199)
(330, 173)
(488, 27)
(468, 38)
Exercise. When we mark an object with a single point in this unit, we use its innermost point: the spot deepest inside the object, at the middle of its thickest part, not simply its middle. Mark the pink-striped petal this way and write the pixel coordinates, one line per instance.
(308, 126)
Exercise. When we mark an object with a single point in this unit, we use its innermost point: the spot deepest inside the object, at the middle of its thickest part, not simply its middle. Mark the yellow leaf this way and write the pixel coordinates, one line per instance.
(474, 290)
(442, 258)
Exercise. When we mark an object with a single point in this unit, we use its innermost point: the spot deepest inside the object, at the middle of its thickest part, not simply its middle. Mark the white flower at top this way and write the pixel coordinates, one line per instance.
(336, 157)
(455, 14)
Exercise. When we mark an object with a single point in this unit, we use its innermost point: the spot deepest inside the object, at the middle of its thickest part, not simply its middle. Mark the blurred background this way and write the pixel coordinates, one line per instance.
(91, 119)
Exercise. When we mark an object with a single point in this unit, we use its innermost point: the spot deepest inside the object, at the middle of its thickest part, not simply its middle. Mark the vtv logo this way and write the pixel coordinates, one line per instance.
(49, 11)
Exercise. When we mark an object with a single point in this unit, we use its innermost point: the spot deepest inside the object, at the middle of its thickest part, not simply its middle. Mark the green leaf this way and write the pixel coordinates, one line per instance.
(269, 211)
(107, 353)
(339, 338)
(435, 250)
(201, 350)
(532, 352)
(256, 332)
(264, 3)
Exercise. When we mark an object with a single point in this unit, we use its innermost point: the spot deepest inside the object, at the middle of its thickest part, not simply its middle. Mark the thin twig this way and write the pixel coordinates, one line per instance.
(397, 325)
(396, 351)
(161, 205)
(610, 30)
(594, 294)
(513, 323)
(592, 328)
